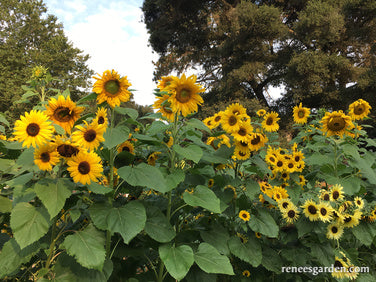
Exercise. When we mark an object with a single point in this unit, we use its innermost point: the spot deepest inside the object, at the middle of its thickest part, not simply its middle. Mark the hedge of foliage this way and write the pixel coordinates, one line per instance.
(85, 199)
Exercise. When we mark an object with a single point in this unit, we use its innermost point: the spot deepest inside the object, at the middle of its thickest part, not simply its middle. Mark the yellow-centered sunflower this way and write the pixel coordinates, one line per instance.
(334, 231)
(336, 123)
(310, 210)
(270, 122)
(89, 136)
(301, 114)
(164, 107)
(85, 167)
(126, 147)
(184, 94)
(359, 109)
(244, 215)
(111, 88)
(64, 112)
(33, 129)
(46, 156)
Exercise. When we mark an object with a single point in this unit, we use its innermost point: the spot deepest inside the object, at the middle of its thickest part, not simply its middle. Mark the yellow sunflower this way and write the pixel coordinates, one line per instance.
(164, 107)
(291, 214)
(324, 195)
(64, 112)
(127, 147)
(359, 202)
(89, 136)
(280, 164)
(184, 94)
(285, 204)
(258, 235)
(65, 147)
(111, 88)
(236, 109)
(217, 118)
(359, 109)
(261, 112)
(244, 131)
(336, 193)
(339, 270)
(46, 156)
(271, 158)
(209, 122)
(281, 190)
(240, 154)
(246, 273)
(351, 221)
(231, 122)
(244, 215)
(301, 114)
(164, 82)
(270, 122)
(325, 211)
(334, 231)
(152, 158)
(218, 141)
(210, 182)
(33, 129)
(85, 167)
(101, 117)
(336, 123)
(310, 210)
(257, 141)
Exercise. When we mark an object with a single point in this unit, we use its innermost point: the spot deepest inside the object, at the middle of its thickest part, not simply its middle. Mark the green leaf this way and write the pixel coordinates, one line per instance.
(304, 226)
(323, 252)
(264, 223)
(178, 260)
(144, 175)
(5, 205)
(271, 260)
(174, 179)
(365, 233)
(249, 252)
(87, 246)
(198, 124)
(157, 226)
(53, 194)
(89, 97)
(217, 237)
(191, 152)
(252, 189)
(211, 261)
(132, 113)
(4, 120)
(128, 220)
(365, 168)
(11, 256)
(29, 223)
(99, 189)
(203, 197)
(6, 165)
(26, 159)
(59, 129)
(115, 136)
(157, 127)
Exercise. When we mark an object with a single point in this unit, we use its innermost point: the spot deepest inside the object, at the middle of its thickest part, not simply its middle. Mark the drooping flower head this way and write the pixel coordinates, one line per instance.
(185, 96)
(111, 88)
(64, 112)
(85, 167)
(33, 129)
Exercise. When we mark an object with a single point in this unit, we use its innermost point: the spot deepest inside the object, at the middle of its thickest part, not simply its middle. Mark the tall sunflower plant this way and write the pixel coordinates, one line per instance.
(89, 194)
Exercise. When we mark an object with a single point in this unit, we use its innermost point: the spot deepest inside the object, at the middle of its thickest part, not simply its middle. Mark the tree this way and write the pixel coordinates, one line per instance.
(30, 37)
(323, 52)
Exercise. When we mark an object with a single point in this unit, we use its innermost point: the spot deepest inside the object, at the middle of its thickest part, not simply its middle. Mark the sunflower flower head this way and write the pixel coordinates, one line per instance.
(46, 156)
(359, 109)
(301, 114)
(85, 167)
(89, 136)
(163, 106)
(270, 122)
(336, 123)
(244, 215)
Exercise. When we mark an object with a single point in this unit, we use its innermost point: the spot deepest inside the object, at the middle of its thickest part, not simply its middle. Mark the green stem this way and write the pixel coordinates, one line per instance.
(52, 245)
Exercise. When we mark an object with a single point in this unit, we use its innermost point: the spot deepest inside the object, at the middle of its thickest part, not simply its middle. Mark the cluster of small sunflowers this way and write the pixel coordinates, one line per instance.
(77, 144)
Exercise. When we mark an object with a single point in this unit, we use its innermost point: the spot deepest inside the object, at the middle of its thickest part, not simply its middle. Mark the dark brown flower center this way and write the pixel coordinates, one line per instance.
(243, 144)
(272, 159)
(101, 120)
(347, 219)
(112, 87)
(285, 205)
(232, 120)
(336, 123)
(312, 209)
(279, 163)
(32, 129)
(337, 263)
(335, 195)
(242, 154)
(126, 149)
(255, 140)
(301, 113)
(45, 157)
(217, 118)
(323, 211)
(90, 135)
(359, 109)
(84, 167)
(67, 151)
(358, 202)
(334, 229)
(183, 96)
(242, 131)
(326, 197)
(297, 159)
(269, 121)
(291, 213)
(63, 114)
(290, 165)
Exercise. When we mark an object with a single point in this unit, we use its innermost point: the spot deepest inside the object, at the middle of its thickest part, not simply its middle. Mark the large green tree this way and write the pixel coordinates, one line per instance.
(29, 37)
(322, 52)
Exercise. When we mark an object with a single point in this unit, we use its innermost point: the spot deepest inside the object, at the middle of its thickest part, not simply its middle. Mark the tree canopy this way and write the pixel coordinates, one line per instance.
(322, 52)
(30, 37)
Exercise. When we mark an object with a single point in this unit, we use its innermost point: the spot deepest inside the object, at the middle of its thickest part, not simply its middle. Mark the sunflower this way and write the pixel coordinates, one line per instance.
(258, 235)
(271, 159)
(85, 167)
(209, 122)
(236, 109)
(359, 109)
(277, 196)
(184, 94)
(310, 210)
(324, 195)
(164, 107)
(285, 175)
(152, 158)
(231, 122)
(264, 186)
(46, 156)
(291, 214)
(244, 215)
(351, 221)
(339, 270)
(281, 190)
(218, 141)
(336, 123)
(285, 204)
(239, 154)
(210, 182)
(290, 165)
(352, 272)
(89, 136)
(280, 164)
(359, 202)
(335, 231)
(164, 82)
(246, 273)
(244, 131)
(261, 112)
(301, 114)
(302, 181)
(270, 122)
(127, 147)
(64, 112)
(101, 117)
(33, 129)
(65, 147)
(336, 193)
(233, 189)
(242, 237)
(257, 141)
(111, 88)
(325, 211)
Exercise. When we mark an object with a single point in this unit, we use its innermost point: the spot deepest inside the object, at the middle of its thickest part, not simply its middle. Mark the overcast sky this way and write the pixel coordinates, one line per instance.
(113, 34)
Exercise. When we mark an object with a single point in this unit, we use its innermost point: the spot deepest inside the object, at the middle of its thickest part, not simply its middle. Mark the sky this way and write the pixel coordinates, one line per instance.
(112, 33)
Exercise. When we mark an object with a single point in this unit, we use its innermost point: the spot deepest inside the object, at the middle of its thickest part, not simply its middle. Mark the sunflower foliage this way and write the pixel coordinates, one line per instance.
(87, 198)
